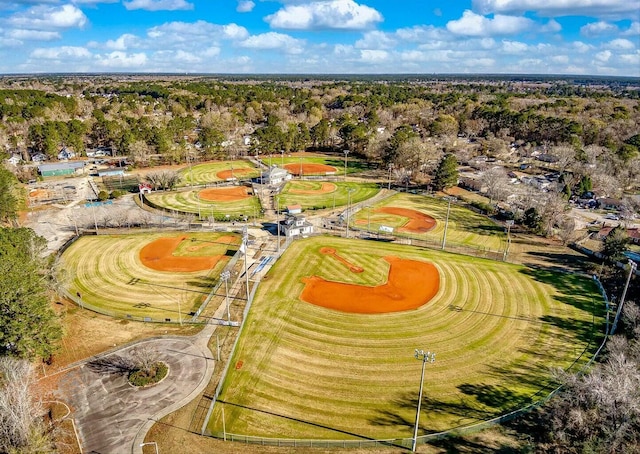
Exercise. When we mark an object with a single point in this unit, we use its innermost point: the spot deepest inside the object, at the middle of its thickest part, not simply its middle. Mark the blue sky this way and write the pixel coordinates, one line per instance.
(597, 37)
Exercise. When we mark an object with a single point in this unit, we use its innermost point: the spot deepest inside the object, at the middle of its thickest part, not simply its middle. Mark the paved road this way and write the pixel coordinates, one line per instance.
(109, 413)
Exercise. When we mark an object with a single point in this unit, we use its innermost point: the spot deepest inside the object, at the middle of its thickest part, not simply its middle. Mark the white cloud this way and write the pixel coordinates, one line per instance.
(514, 47)
(632, 60)
(552, 26)
(274, 41)
(581, 47)
(598, 28)
(375, 40)
(234, 32)
(245, 6)
(562, 59)
(121, 60)
(556, 8)
(472, 24)
(323, 15)
(44, 17)
(195, 33)
(603, 56)
(123, 42)
(373, 56)
(92, 2)
(422, 33)
(633, 30)
(61, 53)
(620, 43)
(158, 5)
(32, 35)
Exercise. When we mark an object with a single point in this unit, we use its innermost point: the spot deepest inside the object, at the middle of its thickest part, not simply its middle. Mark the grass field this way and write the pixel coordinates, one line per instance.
(189, 202)
(207, 172)
(466, 228)
(310, 196)
(303, 371)
(354, 165)
(110, 275)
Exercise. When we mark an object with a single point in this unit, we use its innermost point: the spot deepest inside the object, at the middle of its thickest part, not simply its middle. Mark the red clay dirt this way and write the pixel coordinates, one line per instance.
(224, 194)
(326, 188)
(331, 251)
(418, 222)
(158, 255)
(235, 173)
(310, 169)
(410, 284)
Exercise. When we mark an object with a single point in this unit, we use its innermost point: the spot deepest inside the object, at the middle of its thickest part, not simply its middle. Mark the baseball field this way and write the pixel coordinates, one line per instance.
(216, 171)
(323, 194)
(219, 202)
(315, 164)
(157, 275)
(327, 349)
(404, 212)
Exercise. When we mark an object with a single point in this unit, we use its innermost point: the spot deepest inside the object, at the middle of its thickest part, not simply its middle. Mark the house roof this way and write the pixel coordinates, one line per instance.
(60, 166)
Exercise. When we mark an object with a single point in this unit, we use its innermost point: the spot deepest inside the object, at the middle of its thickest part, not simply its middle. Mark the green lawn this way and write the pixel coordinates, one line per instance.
(465, 227)
(189, 202)
(107, 272)
(303, 371)
(341, 192)
(207, 172)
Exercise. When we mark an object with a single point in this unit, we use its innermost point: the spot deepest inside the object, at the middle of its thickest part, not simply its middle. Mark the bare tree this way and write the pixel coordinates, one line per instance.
(163, 180)
(21, 428)
(496, 181)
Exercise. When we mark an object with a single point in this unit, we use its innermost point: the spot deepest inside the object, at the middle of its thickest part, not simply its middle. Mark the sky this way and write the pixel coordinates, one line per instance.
(577, 37)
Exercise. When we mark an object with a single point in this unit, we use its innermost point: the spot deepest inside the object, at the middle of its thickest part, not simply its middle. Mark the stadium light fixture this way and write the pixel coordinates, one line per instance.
(427, 357)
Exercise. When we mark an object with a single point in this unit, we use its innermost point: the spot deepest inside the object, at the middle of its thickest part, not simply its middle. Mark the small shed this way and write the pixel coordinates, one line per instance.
(59, 169)
(294, 209)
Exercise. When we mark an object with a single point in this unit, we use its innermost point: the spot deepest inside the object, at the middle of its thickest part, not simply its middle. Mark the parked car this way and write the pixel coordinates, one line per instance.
(613, 217)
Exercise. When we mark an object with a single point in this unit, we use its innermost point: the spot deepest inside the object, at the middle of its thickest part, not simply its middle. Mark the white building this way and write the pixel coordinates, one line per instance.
(274, 175)
(295, 225)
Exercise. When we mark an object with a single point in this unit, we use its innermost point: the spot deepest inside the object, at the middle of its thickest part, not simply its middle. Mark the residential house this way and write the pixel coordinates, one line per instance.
(65, 153)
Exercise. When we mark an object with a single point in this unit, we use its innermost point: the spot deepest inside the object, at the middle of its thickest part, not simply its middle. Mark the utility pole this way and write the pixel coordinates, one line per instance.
(446, 222)
(225, 275)
(346, 153)
(506, 250)
(349, 191)
(632, 268)
(425, 357)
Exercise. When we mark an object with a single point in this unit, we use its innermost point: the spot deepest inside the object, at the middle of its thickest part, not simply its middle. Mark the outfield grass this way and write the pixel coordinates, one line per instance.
(109, 274)
(344, 191)
(354, 165)
(207, 172)
(303, 371)
(465, 228)
(189, 202)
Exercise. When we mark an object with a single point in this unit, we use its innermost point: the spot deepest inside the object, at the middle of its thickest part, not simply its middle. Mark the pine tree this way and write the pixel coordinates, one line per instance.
(29, 327)
(447, 173)
(8, 200)
(615, 245)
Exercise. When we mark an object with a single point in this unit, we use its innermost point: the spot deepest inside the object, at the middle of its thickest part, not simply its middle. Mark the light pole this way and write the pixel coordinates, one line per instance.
(506, 250)
(632, 268)
(368, 219)
(282, 158)
(225, 275)
(245, 241)
(425, 357)
(150, 443)
(446, 222)
(349, 191)
(389, 183)
(346, 153)
(277, 201)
